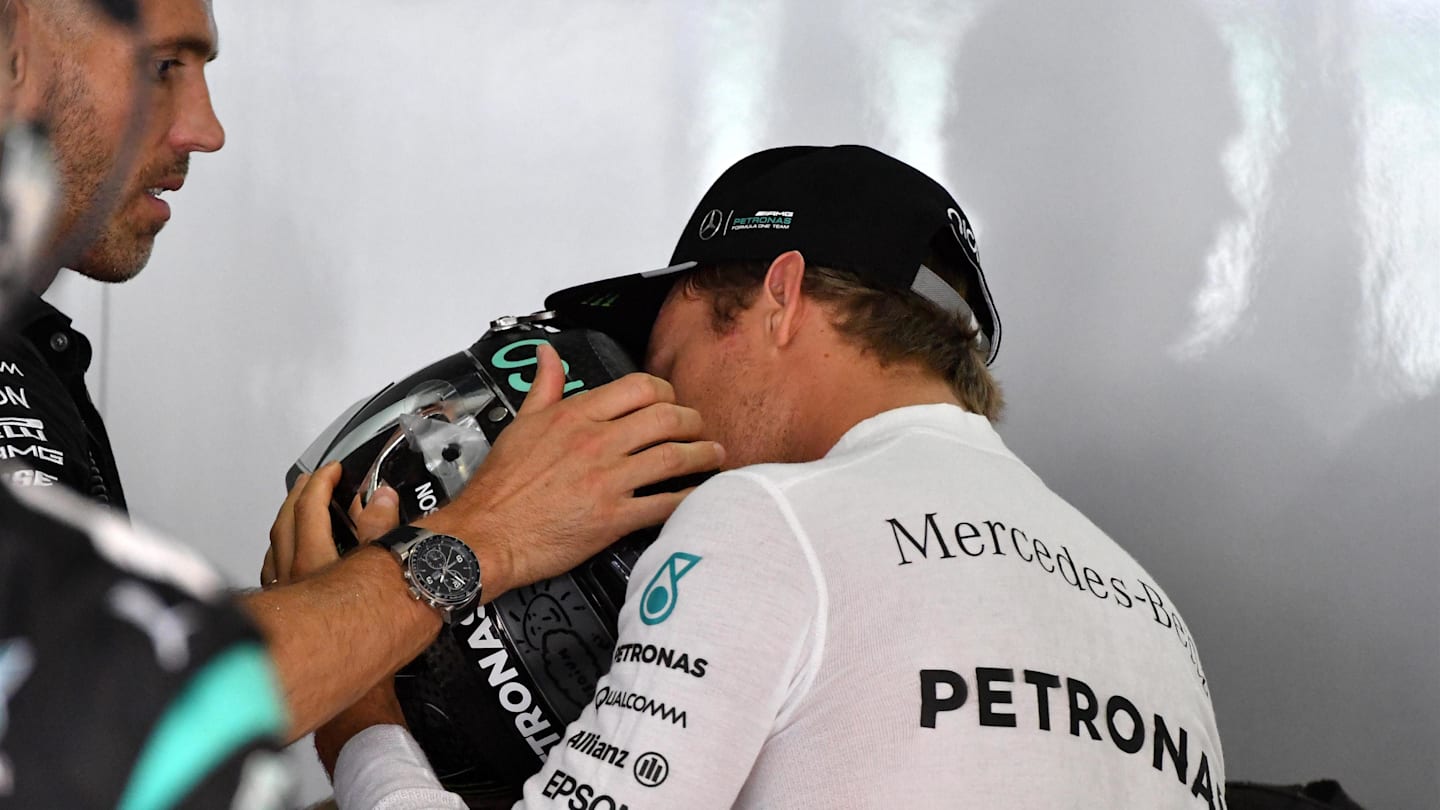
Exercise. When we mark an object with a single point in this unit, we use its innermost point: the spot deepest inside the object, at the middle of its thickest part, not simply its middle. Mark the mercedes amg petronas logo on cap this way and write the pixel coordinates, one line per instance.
(960, 226)
(711, 224)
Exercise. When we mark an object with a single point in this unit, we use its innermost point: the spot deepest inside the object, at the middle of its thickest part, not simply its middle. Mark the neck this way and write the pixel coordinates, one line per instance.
(847, 387)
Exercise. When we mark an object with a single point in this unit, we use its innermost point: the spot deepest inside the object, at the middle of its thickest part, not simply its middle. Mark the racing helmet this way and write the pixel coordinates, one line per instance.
(495, 691)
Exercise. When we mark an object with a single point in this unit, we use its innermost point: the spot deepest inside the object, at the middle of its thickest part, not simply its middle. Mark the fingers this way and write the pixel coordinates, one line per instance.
(282, 536)
(629, 394)
(669, 460)
(357, 505)
(660, 422)
(312, 510)
(658, 442)
(379, 516)
(549, 385)
(633, 431)
(301, 540)
(314, 541)
(267, 568)
(651, 510)
(625, 395)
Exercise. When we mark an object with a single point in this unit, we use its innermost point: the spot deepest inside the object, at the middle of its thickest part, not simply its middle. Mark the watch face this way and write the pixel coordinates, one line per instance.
(445, 569)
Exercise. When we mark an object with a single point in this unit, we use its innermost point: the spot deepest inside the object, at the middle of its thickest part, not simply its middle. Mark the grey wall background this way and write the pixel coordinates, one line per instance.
(1210, 228)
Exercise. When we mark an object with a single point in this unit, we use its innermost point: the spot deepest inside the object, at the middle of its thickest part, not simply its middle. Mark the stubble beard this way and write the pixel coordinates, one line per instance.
(755, 425)
(119, 249)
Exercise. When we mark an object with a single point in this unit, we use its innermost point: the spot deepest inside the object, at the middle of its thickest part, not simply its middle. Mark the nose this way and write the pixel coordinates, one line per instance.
(197, 128)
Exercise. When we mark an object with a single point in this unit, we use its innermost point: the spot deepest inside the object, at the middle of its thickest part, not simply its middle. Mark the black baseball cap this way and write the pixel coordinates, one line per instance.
(850, 208)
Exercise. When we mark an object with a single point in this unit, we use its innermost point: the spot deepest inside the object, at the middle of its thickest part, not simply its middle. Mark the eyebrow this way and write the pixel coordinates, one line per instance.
(196, 45)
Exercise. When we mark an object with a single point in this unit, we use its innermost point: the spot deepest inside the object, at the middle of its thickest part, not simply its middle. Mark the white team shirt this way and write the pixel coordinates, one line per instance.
(914, 620)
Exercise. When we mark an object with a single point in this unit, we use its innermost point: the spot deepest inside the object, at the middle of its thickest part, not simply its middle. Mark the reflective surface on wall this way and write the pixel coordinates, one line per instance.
(1210, 228)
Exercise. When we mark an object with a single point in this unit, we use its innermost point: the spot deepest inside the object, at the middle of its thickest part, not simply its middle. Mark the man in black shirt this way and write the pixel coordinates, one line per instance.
(114, 139)
(128, 677)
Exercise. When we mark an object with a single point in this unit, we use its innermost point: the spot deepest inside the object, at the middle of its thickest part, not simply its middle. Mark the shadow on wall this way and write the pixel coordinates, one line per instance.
(1102, 139)
(1300, 552)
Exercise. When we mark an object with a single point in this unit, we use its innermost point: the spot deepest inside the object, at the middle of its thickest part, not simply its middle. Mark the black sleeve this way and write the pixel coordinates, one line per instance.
(125, 689)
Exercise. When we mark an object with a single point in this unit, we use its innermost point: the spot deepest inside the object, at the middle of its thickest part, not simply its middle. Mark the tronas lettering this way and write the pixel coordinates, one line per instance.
(661, 656)
(514, 695)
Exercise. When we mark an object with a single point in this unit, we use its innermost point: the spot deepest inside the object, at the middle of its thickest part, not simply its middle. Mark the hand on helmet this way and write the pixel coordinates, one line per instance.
(301, 541)
(559, 484)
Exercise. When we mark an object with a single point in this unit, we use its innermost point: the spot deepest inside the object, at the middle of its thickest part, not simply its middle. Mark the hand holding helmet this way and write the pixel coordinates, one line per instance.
(549, 494)
(555, 460)
(301, 540)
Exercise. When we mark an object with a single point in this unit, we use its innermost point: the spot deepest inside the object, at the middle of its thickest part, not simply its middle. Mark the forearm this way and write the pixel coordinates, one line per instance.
(334, 635)
(378, 707)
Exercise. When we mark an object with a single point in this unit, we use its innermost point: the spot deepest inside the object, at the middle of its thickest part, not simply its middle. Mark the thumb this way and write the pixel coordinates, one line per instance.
(379, 516)
(549, 385)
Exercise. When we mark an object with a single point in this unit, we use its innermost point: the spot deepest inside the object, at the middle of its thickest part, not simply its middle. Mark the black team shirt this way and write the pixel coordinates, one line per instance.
(50, 432)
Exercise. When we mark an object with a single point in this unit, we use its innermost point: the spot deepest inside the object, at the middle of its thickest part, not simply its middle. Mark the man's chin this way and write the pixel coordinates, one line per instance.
(115, 263)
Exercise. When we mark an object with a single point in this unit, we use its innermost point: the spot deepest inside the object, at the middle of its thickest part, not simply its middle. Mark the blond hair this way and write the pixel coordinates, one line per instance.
(894, 326)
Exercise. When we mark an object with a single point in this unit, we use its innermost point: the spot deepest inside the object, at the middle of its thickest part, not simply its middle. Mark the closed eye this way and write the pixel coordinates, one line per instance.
(163, 68)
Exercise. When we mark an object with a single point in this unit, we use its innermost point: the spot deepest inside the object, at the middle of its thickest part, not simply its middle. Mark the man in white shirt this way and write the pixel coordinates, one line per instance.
(878, 604)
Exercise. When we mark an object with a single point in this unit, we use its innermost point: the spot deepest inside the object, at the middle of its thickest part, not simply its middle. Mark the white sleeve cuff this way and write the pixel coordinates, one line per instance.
(382, 768)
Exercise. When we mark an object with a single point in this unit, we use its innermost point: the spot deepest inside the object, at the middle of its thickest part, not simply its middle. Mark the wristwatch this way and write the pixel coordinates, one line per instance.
(441, 570)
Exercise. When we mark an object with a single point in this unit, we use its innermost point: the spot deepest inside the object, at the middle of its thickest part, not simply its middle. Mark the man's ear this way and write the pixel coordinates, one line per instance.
(784, 297)
(16, 44)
